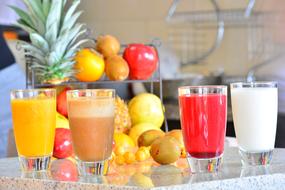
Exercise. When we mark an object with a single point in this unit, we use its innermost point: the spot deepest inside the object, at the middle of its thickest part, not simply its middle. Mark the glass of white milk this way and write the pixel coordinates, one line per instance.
(255, 107)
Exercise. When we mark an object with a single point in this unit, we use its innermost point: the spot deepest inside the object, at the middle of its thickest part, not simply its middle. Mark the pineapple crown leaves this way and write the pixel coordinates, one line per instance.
(55, 34)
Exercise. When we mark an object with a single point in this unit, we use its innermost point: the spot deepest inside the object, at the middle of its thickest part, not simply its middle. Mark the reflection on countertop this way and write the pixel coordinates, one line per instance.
(149, 174)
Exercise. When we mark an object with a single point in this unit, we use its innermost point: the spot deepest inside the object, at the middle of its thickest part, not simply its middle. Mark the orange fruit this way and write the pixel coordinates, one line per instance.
(120, 160)
(129, 157)
(89, 64)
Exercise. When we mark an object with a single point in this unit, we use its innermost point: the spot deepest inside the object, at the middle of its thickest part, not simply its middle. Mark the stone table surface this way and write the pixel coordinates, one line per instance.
(148, 175)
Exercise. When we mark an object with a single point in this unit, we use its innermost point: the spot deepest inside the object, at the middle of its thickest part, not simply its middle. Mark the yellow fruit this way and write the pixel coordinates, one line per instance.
(139, 129)
(141, 155)
(89, 64)
(108, 45)
(120, 150)
(122, 117)
(120, 160)
(61, 121)
(117, 68)
(123, 140)
(146, 150)
(129, 157)
(146, 108)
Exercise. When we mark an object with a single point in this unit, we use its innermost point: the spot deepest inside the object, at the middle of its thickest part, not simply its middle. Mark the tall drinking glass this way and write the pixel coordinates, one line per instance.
(254, 107)
(91, 119)
(203, 114)
(34, 114)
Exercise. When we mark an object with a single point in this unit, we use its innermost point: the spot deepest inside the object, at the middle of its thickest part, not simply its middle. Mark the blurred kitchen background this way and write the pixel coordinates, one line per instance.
(202, 41)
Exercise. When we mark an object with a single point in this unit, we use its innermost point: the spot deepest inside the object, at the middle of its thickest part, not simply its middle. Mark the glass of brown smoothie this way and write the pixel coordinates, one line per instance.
(91, 120)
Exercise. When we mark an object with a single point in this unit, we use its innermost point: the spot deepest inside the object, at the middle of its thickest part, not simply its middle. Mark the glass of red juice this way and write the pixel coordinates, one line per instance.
(203, 115)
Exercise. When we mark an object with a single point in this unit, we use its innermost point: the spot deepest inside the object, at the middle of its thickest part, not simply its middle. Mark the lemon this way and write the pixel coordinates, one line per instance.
(146, 108)
(139, 129)
(61, 121)
(123, 140)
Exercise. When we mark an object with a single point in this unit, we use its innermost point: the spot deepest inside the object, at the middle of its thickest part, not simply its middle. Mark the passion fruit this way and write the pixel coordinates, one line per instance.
(148, 137)
(177, 134)
(116, 68)
(165, 150)
(107, 45)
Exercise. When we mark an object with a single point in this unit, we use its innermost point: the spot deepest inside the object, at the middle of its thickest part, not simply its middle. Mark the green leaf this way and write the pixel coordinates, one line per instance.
(65, 65)
(75, 39)
(71, 10)
(46, 7)
(69, 23)
(36, 7)
(24, 26)
(33, 49)
(61, 45)
(38, 41)
(74, 47)
(53, 21)
(53, 59)
(69, 54)
(23, 16)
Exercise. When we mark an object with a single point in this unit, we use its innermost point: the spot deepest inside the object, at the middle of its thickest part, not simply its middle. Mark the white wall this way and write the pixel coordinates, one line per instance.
(142, 20)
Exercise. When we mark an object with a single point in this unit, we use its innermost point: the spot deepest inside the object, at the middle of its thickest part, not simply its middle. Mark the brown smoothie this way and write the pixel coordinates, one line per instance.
(92, 128)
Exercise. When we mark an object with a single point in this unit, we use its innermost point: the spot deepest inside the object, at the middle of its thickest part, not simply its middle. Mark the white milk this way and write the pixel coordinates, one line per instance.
(255, 117)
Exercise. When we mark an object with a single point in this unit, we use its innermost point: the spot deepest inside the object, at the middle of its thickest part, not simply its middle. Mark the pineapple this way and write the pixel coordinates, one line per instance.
(122, 116)
(55, 37)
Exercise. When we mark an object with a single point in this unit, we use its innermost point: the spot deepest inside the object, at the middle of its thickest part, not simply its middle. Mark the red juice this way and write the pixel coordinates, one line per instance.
(203, 121)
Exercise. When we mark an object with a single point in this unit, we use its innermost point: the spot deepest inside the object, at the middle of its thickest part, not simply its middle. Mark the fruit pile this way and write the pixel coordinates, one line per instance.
(137, 136)
(144, 139)
(138, 62)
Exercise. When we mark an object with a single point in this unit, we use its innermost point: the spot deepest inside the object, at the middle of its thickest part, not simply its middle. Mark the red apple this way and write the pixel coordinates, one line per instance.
(142, 61)
(64, 170)
(62, 143)
(62, 102)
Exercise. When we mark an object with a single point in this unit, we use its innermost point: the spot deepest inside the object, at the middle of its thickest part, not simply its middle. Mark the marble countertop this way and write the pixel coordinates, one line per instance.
(149, 175)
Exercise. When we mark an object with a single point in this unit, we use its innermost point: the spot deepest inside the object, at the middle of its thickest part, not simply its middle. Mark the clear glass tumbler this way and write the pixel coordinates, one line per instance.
(91, 119)
(34, 116)
(203, 115)
(255, 107)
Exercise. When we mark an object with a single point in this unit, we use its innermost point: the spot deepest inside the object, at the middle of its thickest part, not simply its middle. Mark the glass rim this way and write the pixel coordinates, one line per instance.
(91, 90)
(254, 84)
(206, 86)
(32, 90)
(91, 93)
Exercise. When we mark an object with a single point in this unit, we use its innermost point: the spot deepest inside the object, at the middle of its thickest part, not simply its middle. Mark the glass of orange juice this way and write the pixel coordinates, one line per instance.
(34, 114)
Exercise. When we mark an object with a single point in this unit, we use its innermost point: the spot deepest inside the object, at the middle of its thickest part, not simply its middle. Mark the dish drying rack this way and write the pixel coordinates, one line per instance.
(203, 22)
(31, 81)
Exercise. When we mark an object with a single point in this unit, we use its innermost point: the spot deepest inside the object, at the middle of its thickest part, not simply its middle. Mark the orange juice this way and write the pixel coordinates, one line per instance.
(34, 125)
